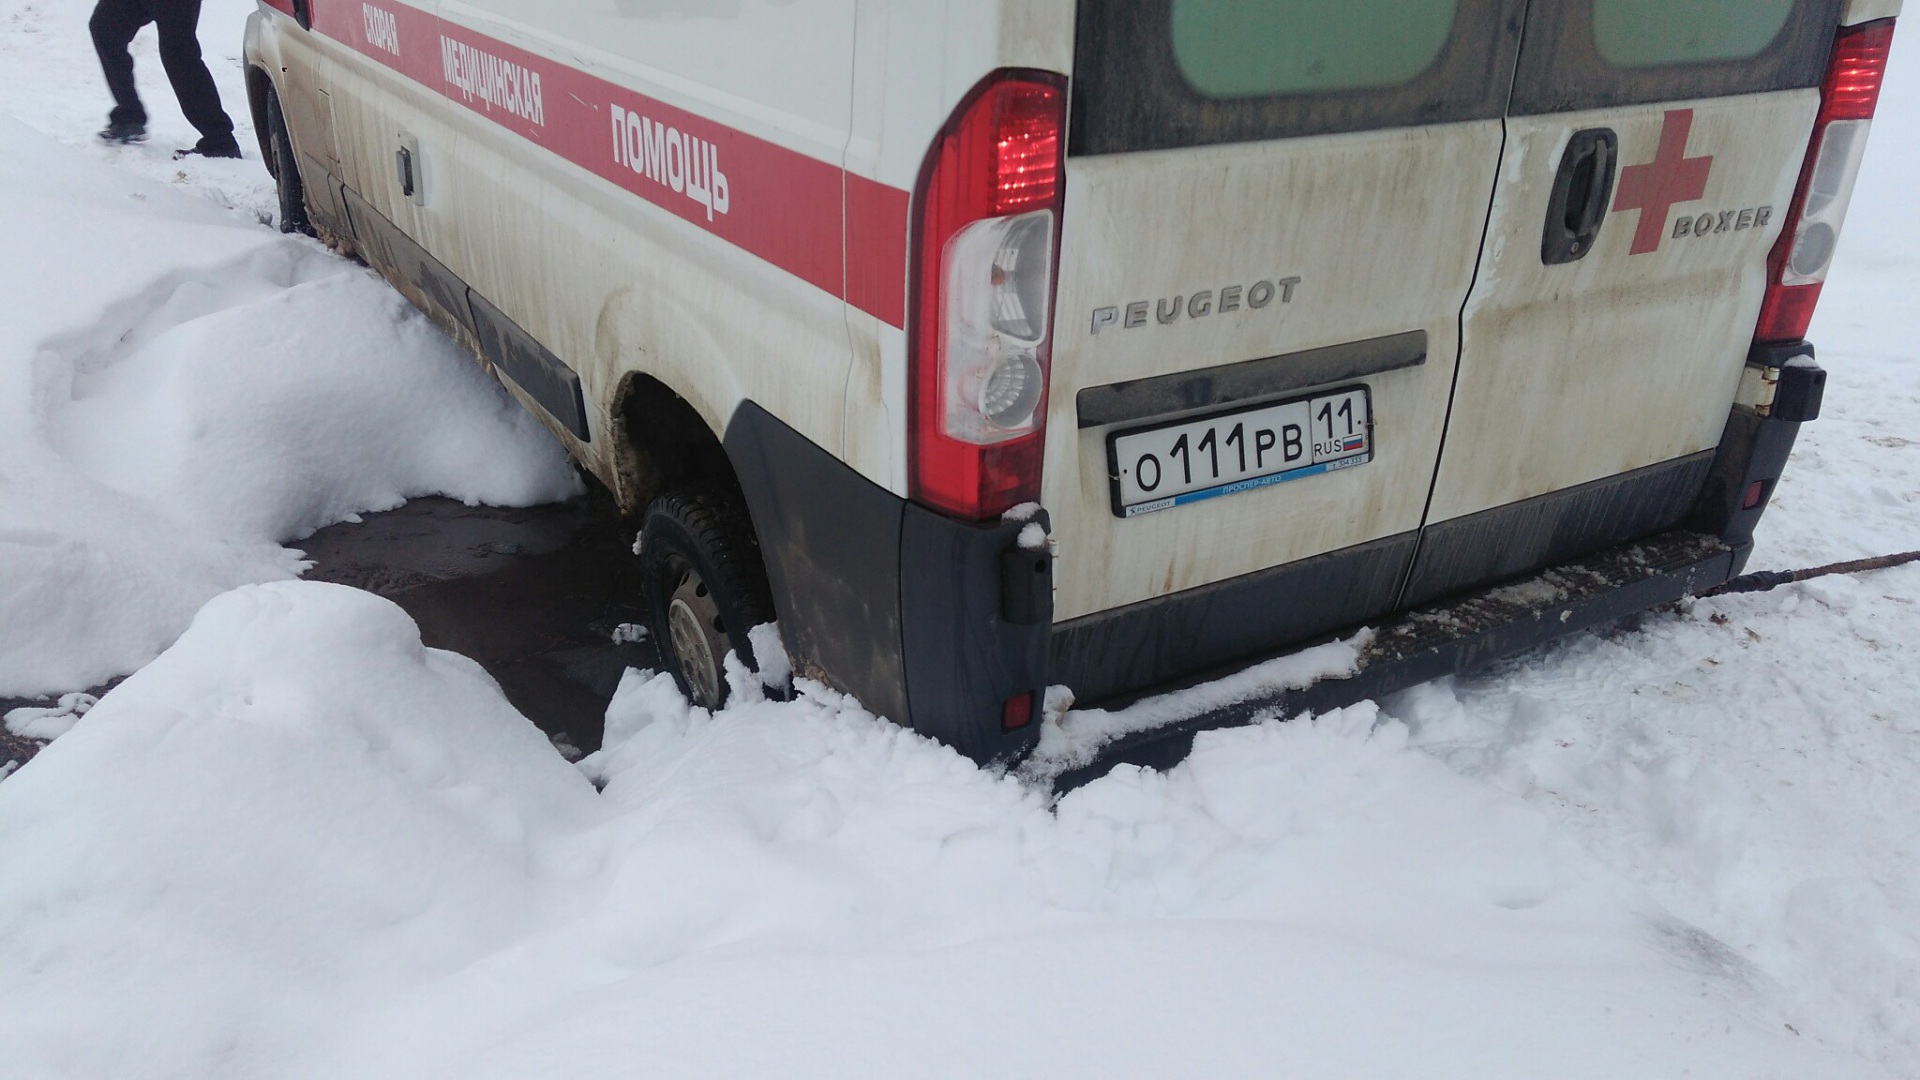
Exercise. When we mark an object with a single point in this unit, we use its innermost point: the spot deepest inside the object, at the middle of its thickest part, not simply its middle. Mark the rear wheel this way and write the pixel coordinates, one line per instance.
(286, 171)
(703, 587)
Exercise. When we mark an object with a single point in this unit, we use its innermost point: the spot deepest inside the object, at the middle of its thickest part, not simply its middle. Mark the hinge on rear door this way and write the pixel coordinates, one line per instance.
(1782, 382)
(1757, 387)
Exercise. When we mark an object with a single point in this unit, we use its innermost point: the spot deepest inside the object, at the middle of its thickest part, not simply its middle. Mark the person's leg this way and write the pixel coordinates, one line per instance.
(179, 22)
(113, 25)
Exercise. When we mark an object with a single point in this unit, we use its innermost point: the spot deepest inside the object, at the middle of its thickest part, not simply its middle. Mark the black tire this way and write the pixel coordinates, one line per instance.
(286, 171)
(700, 566)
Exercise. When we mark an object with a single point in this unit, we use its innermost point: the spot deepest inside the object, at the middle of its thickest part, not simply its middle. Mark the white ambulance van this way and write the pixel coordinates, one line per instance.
(998, 344)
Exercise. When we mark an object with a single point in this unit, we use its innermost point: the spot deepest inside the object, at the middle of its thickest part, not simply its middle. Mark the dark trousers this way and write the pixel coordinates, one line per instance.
(116, 21)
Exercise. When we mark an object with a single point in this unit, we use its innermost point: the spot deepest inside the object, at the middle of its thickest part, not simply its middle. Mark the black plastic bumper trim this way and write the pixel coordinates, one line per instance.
(1112, 654)
(511, 350)
(831, 541)
(545, 377)
(1249, 380)
(324, 198)
(1459, 636)
(913, 613)
(1754, 450)
(1467, 552)
(408, 265)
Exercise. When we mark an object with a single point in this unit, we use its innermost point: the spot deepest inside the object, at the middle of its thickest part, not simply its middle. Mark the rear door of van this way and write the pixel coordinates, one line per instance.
(1273, 213)
(1652, 150)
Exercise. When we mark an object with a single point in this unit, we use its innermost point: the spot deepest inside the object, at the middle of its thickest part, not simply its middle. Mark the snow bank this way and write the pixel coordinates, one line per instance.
(1755, 763)
(295, 809)
(245, 863)
(180, 390)
(300, 845)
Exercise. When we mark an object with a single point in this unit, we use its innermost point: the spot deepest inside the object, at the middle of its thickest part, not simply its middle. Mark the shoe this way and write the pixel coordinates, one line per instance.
(213, 146)
(124, 132)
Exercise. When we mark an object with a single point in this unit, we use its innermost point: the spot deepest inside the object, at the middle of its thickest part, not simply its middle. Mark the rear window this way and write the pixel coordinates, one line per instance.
(1258, 48)
(1156, 74)
(1593, 54)
(1658, 33)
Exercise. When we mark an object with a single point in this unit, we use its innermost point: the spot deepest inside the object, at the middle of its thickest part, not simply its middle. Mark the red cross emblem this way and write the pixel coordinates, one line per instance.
(1671, 177)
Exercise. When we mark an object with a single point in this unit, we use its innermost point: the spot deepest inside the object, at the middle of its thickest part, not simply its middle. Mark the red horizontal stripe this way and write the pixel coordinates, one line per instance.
(840, 232)
(877, 249)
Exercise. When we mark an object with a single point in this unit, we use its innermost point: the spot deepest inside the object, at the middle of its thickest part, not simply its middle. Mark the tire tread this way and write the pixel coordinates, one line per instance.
(722, 531)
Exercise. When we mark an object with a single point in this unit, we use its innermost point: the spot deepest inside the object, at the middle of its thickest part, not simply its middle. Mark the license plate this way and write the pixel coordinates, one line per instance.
(1257, 446)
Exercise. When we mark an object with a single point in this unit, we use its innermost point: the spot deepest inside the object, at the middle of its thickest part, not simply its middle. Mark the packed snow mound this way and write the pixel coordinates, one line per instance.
(1752, 797)
(1073, 738)
(296, 805)
(301, 845)
(181, 390)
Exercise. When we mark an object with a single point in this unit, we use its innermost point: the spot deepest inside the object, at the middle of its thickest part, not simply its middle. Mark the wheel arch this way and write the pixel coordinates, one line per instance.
(663, 441)
(260, 53)
(260, 102)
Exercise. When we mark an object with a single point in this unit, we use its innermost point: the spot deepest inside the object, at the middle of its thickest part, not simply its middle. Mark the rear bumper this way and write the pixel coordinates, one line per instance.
(936, 623)
(1459, 635)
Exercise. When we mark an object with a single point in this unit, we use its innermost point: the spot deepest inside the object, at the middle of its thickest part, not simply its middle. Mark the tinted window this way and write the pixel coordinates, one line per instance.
(1156, 74)
(1592, 54)
(1257, 48)
(1655, 33)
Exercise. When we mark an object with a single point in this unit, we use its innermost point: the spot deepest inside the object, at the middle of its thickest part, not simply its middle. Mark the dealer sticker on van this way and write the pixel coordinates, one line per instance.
(1252, 447)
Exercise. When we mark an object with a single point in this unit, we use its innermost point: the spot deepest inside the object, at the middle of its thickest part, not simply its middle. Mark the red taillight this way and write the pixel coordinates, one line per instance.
(1852, 87)
(1026, 147)
(1808, 235)
(986, 240)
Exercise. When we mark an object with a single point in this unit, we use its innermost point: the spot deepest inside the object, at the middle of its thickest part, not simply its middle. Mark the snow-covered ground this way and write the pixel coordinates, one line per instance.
(300, 844)
(182, 388)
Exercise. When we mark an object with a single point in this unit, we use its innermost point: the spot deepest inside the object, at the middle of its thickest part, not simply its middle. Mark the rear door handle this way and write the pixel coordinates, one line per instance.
(1581, 191)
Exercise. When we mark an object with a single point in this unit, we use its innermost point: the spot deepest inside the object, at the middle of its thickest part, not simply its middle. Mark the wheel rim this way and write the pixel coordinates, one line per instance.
(697, 637)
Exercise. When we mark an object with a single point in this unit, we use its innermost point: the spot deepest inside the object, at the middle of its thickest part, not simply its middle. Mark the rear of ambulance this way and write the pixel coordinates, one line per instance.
(1272, 217)
(1292, 315)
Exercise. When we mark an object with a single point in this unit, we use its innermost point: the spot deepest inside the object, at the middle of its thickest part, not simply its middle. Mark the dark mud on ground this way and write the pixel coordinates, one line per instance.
(534, 595)
(14, 750)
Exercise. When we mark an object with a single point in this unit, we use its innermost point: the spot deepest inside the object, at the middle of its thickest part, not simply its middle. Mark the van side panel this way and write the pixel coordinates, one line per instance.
(378, 109)
(913, 62)
(637, 192)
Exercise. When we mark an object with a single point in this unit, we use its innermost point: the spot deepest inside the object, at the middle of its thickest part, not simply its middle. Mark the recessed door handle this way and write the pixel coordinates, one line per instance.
(1591, 187)
(1582, 188)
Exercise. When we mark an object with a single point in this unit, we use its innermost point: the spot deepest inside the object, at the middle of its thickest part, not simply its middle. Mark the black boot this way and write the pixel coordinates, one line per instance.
(213, 146)
(129, 131)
